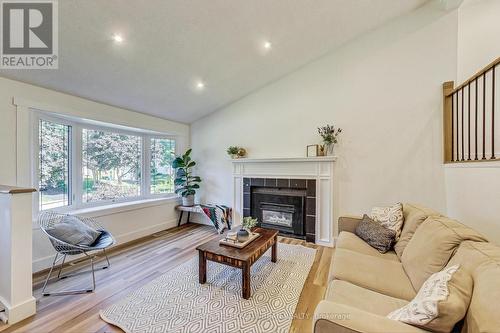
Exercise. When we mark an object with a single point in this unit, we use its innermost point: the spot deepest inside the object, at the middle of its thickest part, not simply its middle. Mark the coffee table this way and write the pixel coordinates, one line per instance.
(240, 258)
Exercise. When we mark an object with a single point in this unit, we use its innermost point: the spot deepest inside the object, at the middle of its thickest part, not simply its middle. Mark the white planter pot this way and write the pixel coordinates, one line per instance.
(188, 201)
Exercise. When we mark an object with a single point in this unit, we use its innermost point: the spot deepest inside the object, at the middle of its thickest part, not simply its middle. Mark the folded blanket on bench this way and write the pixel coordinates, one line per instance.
(220, 215)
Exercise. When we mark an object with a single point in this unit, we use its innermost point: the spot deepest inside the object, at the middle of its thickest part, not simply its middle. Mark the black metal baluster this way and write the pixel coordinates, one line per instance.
(493, 114)
(453, 127)
(468, 121)
(484, 116)
(463, 148)
(456, 120)
(475, 125)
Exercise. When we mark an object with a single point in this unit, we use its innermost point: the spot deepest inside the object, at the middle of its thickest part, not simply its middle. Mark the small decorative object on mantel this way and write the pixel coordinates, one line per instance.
(186, 184)
(329, 134)
(313, 151)
(236, 152)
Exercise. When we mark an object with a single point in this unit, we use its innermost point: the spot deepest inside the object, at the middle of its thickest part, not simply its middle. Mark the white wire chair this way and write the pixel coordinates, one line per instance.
(48, 220)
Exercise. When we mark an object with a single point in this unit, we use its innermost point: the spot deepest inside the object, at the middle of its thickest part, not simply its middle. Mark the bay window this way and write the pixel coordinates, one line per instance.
(82, 165)
(161, 171)
(54, 164)
(111, 165)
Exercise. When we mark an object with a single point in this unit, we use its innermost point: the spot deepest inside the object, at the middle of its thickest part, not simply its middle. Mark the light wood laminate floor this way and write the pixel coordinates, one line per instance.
(135, 264)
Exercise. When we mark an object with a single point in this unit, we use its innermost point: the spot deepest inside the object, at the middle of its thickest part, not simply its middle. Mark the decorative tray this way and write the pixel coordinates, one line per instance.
(234, 243)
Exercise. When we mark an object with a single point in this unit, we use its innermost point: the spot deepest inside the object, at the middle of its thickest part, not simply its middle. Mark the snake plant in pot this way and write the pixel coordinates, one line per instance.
(186, 184)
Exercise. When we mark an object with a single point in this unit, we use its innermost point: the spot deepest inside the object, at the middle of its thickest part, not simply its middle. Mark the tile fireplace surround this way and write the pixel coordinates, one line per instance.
(293, 173)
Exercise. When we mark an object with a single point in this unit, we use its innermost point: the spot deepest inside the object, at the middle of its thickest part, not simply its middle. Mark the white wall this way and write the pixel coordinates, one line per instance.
(383, 89)
(473, 191)
(134, 222)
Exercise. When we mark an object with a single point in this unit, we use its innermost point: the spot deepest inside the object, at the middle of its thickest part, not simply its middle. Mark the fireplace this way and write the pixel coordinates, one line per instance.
(286, 205)
(279, 208)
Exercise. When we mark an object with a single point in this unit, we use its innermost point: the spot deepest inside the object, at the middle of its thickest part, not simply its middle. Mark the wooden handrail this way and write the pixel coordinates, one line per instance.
(6, 189)
(475, 76)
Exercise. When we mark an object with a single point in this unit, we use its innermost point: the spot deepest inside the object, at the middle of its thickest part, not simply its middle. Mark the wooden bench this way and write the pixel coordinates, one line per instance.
(189, 210)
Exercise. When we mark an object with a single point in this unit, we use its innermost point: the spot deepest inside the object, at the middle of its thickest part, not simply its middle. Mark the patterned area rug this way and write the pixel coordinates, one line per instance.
(176, 302)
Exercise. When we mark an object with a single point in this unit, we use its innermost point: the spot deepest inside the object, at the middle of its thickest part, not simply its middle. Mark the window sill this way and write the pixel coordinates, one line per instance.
(120, 207)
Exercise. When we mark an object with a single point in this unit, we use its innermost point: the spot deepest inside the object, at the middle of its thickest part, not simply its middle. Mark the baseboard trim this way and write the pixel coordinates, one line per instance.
(20, 311)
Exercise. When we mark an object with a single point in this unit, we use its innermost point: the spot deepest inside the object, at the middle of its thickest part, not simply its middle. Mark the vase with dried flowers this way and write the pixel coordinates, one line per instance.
(329, 134)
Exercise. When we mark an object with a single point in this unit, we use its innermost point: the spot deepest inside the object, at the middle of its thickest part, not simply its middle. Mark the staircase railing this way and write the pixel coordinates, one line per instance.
(469, 118)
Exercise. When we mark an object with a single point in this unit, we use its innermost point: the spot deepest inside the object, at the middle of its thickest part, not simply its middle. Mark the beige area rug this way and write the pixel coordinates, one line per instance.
(176, 302)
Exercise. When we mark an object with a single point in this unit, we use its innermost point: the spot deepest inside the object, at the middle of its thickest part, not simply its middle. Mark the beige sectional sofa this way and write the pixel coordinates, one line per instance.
(366, 285)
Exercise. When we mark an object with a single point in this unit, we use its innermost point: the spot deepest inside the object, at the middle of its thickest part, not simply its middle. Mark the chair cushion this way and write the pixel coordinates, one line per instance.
(73, 231)
(413, 217)
(432, 246)
(349, 294)
(349, 241)
(440, 303)
(380, 275)
(376, 235)
(103, 241)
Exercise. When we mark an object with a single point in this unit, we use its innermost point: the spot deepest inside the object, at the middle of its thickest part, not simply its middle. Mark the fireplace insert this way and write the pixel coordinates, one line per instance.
(280, 209)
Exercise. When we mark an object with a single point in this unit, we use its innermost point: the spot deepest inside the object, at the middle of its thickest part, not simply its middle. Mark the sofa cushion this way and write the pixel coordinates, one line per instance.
(440, 303)
(390, 217)
(432, 246)
(483, 260)
(470, 255)
(349, 241)
(375, 234)
(413, 216)
(332, 317)
(380, 275)
(349, 294)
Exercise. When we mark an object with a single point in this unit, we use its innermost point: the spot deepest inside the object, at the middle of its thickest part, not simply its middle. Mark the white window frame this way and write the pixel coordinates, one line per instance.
(76, 176)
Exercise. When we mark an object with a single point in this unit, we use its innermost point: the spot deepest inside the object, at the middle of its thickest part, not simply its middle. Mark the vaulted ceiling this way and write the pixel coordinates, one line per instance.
(169, 46)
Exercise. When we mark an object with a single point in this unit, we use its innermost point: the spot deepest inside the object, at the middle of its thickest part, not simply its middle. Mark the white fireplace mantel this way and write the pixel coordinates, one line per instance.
(318, 168)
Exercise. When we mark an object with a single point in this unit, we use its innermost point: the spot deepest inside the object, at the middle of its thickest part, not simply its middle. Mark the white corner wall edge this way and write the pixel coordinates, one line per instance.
(16, 294)
(319, 168)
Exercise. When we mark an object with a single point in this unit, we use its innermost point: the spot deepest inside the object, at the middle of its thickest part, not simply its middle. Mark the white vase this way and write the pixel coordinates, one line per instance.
(329, 149)
(188, 200)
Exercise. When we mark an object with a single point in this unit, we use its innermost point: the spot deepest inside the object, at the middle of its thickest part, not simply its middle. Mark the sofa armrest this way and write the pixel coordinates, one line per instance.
(331, 317)
(349, 223)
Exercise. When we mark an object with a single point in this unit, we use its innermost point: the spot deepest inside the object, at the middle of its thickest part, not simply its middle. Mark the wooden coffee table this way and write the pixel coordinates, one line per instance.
(239, 258)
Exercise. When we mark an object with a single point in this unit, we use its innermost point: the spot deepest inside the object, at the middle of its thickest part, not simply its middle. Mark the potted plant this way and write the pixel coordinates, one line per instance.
(329, 134)
(236, 152)
(246, 227)
(186, 184)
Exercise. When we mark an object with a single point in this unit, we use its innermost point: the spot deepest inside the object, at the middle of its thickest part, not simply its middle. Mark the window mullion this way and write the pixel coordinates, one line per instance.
(146, 165)
(76, 166)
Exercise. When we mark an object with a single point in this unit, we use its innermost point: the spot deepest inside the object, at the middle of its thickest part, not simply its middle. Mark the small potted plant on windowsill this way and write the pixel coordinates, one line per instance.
(186, 183)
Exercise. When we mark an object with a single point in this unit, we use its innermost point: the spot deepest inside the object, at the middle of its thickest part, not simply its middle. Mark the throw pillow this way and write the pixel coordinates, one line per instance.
(440, 303)
(73, 231)
(375, 234)
(390, 217)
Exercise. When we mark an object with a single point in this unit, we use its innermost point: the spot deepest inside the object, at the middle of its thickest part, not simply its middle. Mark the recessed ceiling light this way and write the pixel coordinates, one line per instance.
(267, 45)
(118, 38)
(200, 85)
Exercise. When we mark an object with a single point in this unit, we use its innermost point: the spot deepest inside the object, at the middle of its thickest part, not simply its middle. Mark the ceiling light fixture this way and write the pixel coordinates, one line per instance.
(267, 45)
(200, 85)
(118, 38)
